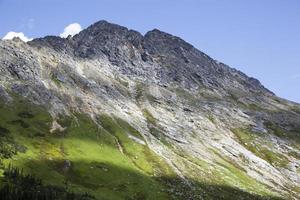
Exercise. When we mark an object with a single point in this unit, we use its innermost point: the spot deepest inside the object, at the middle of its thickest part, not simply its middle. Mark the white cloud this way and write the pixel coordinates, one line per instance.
(71, 29)
(10, 35)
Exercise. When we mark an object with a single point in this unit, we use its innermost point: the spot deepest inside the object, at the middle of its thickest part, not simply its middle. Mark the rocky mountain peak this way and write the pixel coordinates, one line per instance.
(55, 42)
(175, 60)
(111, 104)
(165, 40)
(105, 26)
(103, 38)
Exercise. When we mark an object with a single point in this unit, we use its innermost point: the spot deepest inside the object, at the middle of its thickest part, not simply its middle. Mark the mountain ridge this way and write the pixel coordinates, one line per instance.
(110, 101)
(143, 45)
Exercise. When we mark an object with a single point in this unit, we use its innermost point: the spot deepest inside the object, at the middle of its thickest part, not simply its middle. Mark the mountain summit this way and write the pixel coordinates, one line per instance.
(113, 114)
(177, 61)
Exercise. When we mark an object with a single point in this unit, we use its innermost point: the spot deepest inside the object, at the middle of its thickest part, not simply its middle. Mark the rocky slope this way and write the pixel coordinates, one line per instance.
(121, 115)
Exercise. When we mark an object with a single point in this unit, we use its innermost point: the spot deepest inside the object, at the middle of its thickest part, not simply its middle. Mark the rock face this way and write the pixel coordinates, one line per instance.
(173, 59)
(201, 116)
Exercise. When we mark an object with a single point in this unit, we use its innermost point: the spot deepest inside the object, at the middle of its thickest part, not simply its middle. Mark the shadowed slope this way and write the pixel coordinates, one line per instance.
(87, 158)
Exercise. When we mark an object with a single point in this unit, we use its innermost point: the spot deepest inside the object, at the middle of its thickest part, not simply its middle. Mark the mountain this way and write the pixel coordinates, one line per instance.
(113, 114)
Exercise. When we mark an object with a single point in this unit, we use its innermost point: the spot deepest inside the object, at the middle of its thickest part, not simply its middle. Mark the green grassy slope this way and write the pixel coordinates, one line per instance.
(86, 158)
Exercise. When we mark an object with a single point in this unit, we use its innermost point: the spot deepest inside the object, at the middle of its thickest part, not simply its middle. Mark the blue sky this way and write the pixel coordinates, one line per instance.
(258, 37)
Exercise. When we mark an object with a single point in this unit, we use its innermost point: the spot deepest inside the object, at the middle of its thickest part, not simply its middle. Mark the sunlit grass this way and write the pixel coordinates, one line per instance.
(257, 145)
(104, 161)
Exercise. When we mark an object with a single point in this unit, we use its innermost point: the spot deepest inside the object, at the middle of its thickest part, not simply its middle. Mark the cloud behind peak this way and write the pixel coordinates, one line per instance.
(71, 29)
(10, 35)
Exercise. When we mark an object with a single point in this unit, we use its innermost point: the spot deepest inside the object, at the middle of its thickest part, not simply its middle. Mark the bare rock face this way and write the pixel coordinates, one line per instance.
(169, 91)
(174, 60)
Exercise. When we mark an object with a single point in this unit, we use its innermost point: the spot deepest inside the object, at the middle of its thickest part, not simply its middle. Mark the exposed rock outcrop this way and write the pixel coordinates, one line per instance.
(189, 107)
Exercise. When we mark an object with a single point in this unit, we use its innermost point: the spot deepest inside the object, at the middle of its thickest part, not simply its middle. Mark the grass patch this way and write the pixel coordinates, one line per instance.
(86, 155)
(250, 106)
(253, 106)
(139, 154)
(54, 78)
(139, 91)
(123, 82)
(253, 143)
(129, 129)
(154, 128)
(149, 117)
(296, 109)
(211, 118)
(279, 132)
(87, 158)
(290, 135)
(189, 99)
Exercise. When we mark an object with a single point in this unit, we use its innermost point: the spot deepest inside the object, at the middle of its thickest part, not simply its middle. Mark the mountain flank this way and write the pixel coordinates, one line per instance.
(113, 114)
